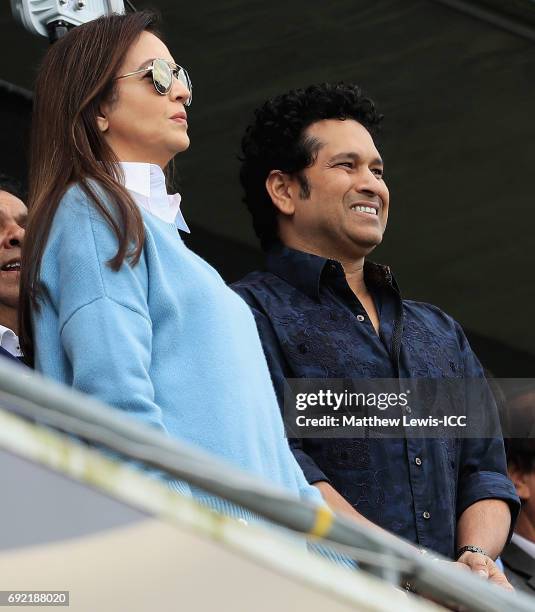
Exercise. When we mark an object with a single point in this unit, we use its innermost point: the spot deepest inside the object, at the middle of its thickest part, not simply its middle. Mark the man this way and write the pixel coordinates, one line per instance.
(13, 214)
(314, 184)
(519, 555)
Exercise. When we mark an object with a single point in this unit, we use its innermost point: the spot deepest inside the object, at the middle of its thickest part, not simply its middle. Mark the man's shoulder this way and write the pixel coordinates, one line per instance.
(252, 279)
(257, 282)
(425, 312)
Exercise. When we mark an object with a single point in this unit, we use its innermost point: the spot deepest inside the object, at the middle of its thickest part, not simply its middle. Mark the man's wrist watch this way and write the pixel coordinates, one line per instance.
(474, 549)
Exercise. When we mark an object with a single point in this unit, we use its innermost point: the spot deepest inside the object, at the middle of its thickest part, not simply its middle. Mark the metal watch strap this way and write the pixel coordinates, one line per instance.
(474, 549)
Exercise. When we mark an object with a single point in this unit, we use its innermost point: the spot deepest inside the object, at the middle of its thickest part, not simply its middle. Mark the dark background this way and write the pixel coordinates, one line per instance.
(455, 81)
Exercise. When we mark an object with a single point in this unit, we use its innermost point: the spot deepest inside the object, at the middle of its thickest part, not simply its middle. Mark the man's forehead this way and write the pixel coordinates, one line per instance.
(341, 134)
(11, 205)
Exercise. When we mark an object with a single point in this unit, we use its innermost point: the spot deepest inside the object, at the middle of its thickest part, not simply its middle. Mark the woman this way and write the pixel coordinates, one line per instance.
(113, 302)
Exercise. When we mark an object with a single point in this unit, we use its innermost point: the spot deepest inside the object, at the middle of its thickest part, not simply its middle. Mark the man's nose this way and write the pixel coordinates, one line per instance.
(367, 183)
(14, 237)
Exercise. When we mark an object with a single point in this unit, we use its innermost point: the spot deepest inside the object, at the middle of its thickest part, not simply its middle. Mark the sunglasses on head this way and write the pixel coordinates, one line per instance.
(163, 72)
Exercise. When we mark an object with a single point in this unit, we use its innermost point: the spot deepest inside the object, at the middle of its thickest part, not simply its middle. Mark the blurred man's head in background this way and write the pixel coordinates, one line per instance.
(13, 215)
(519, 430)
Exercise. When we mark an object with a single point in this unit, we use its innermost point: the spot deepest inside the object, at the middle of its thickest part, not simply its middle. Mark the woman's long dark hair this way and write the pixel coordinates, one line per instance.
(75, 78)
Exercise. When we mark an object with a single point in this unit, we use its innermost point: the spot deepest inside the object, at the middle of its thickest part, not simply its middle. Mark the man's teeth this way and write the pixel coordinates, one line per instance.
(12, 266)
(366, 209)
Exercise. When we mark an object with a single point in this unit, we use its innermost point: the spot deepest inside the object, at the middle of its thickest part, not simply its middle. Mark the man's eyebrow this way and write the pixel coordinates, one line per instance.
(352, 155)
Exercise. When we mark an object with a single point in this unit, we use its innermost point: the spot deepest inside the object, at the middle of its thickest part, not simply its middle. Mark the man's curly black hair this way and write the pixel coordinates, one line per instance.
(276, 140)
(12, 186)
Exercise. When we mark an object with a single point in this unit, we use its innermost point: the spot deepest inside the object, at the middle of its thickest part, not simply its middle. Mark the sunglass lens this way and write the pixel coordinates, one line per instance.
(162, 76)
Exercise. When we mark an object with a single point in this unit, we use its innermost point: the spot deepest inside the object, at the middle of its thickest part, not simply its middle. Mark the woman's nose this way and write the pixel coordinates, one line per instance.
(179, 91)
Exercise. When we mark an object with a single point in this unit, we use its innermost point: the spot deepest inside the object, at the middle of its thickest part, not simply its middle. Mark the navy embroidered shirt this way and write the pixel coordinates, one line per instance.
(313, 326)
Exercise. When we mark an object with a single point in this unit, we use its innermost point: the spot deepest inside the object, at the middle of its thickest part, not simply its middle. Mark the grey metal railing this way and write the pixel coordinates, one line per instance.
(32, 396)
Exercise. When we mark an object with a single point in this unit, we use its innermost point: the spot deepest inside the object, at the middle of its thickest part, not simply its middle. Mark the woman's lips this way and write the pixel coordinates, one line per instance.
(180, 118)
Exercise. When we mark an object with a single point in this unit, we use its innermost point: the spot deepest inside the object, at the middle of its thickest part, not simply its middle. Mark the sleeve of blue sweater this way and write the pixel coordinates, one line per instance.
(109, 347)
(104, 322)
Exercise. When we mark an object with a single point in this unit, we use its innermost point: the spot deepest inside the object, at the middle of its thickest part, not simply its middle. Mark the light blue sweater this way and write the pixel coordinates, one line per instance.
(165, 341)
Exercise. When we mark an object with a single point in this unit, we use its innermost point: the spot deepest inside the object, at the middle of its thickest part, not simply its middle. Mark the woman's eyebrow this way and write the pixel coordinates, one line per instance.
(146, 63)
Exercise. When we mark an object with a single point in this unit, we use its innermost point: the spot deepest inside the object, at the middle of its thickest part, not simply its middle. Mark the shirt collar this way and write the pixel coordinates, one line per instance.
(146, 182)
(304, 270)
(9, 341)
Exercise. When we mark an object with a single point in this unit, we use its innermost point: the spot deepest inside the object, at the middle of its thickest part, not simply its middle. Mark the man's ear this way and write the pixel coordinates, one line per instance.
(280, 187)
(519, 480)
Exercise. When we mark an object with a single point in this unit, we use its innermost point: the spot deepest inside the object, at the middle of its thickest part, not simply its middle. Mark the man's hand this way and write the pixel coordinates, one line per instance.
(485, 567)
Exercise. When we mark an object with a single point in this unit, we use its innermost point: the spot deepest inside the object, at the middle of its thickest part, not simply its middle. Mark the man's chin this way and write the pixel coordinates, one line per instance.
(8, 300)
(367, 244)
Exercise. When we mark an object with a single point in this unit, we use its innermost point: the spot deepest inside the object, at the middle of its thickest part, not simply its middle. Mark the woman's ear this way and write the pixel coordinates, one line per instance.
(102, 120)
(280, 188)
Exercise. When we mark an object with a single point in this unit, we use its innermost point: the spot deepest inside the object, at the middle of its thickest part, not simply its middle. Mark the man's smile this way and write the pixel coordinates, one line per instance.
(13, 265)
(366, 207)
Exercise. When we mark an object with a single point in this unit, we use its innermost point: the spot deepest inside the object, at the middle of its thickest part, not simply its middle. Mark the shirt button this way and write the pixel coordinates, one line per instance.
(418, 461)
(242, 521)
(426, 515)
(408, 409)
(360, 318)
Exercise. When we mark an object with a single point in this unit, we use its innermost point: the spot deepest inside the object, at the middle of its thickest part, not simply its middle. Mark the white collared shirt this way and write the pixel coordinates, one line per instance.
(146, 183)
(10, 341)
(526, 545)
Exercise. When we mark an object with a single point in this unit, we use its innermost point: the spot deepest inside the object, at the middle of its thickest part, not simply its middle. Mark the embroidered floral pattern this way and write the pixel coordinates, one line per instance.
(312, 326)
